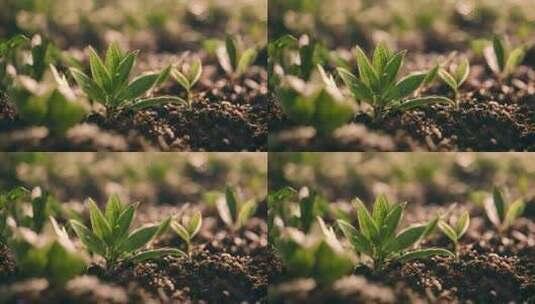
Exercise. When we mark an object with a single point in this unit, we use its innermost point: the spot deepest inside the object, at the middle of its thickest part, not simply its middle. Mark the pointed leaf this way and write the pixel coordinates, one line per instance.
(232, 204)
(246, 60)
(232, 51)
(448, 231)
(90, 88)
(357, 240)
(139, 238)
(514, 211)
(367, 225)
(462, 72)
(448, 79)
(367, 73)
(407, 85)
(380, 210)
(392, 68)
(462, 224)
(245, 213)
(124, 221)
(181, 231)
(499, 52)
(139, 86)
(124, 70)
(499, 203)
(195, 223)
(113, 209)
(381, 56)
(405, 239)
(515, 59)
(181, 79)
(391, 221)
(99, 223)
(361, 91)
(113, 58)
(195, 71)
(155, 101)
(423, 102)
(100, 73)
(88, 238)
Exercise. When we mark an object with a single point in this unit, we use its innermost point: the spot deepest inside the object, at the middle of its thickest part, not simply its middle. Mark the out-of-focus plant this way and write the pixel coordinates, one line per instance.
(49, 254)
(378, 87)
(187, 228)
(235, 213)
(235, 61)
(501, 213)
(377, 238)
(455, 77)
(111, 238)
(314, 255)
(110, 85)
(501, 60)
(187, 76)
(316, 103)
(50, 103)
(455, 230)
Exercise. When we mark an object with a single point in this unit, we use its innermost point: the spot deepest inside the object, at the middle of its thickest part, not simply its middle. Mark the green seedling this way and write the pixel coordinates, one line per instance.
(233, 213)
(455, 77)
(111, 238)
(316, 104)
(15, 205)
(110, 84)
(455, 230)
(502, 61)
(377, 85)
(49, 255)
(377, 238)
(187, 76)
(50, 103)
(501, 213)
(234, 61)
(187, 229)
(314, 255)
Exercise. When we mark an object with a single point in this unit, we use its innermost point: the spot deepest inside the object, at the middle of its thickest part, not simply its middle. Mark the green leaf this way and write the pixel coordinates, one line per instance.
(361, 91)
(424, 253)
(164, 226)
(139, 86)
(462, 224)
(462, 72)
(367, 225)
(431, 226)
(232, 52)
(195, 223)
(407, 85)
(406, 238)
(163, 76)
(181, 79)
(113, 209)
(156, 253)
(392, 69)
(246, 211)
(124, 221)
(331, 112)
(380, 210)
(113, 58)
(138, 238)
(246, 60)
(195, 71)
(514, 211)
(39, 210)
(367, 73)
(431, 75)
(448, 231)
(232, 204)
(499, 52)
(88, 238)
(124, 70)
(99, 71)
(155, 101)
(182, 232)
(391, 221)
(99, 223)
(449, 80)
(381, 56)
(90, 88)
(499, 203)
(422, 102)
(514, 60)
(357, 240)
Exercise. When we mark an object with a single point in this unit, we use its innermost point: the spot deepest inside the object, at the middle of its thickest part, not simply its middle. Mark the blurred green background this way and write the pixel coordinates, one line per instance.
(156, 178)
(413, 24)
(424, 178)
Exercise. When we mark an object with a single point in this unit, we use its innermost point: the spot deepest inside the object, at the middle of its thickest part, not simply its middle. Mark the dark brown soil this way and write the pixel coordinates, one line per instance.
(7, 264)
(492, 116)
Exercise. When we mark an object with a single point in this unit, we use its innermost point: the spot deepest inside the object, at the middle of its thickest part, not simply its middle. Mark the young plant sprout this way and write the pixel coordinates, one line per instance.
(111, 238)
(502, 61)
(188, 76)
(378, 87)
(316, 103)
(50, 103)
(501, 213)
(234, 61)
(50, 254)
(188, 228)
(455, 231)
(456, 77)
(377, 238)
(110, 84)
(233, 213)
